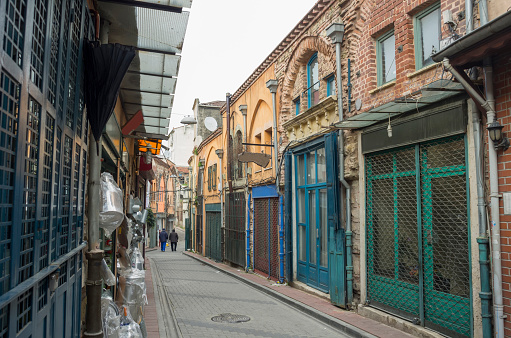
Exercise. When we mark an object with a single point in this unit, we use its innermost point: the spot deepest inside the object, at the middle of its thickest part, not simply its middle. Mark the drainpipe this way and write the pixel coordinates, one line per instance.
(281, 240)
(272, 86)
(336, 31)
(498, 307)
(248, 232)
(243, 109)
(488, 105)
(483, 12)
(228, 112)
(482, 239)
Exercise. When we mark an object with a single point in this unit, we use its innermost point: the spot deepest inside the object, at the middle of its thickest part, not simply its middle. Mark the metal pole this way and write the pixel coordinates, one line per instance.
(94, 255)
(347, 187)
(498, 306)
(275, 136)
(248, 232)
(281, 240)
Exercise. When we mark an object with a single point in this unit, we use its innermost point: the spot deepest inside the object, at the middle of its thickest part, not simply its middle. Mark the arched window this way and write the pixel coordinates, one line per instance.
(313, 81)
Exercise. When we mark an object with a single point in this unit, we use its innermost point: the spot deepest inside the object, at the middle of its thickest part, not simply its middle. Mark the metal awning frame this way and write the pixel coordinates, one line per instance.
(429, 94)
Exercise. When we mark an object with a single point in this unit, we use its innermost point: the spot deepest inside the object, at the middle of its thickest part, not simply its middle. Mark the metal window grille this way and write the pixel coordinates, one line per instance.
(47, 168)
(28, 220)
(266, 236)
(82, 196)
(63, 61)
(72, 266)
(42, 294)
(15, 29)
(4, 322)
(54, 51)
(66, 195)
(63, 274)
(10, 92)
(56, 182)
(76, 187)
(420, 260)
(24, 310)
(235, 228)
(38, 40)
(76, 28)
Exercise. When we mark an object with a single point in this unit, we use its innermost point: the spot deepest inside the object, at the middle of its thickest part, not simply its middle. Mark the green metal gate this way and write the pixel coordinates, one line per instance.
(418, 261)
(213, 232)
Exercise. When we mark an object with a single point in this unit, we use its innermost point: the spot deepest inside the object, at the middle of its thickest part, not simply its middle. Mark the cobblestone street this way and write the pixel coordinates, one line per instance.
(196, 293)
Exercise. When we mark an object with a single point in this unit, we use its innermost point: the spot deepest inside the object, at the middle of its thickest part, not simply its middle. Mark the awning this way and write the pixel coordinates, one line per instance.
(153, 146)
(487, 40)
(156, 29)
(429, 94)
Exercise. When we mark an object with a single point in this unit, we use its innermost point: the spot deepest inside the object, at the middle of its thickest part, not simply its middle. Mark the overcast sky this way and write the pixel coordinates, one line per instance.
(226, 40)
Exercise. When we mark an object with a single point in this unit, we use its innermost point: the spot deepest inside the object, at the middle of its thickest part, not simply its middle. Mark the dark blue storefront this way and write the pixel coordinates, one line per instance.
(43, 156)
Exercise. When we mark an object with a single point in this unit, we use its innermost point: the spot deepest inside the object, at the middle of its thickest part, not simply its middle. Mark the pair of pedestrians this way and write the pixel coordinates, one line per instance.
(164, 236)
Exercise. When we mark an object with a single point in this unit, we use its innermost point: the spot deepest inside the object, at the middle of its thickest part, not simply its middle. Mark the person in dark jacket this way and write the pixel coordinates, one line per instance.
(164, 236)
(173, 240)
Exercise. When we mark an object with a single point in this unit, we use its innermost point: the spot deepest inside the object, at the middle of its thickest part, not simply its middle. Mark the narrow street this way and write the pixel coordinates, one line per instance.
(196, 293)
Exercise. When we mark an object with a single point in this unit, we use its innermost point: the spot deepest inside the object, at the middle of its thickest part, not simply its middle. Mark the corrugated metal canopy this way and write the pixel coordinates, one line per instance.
(431, 93)
(156, 28)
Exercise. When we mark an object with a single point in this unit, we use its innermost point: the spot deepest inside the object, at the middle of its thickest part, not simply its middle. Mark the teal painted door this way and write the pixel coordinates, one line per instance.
(418, 234)
(312, 219)
(213, 235)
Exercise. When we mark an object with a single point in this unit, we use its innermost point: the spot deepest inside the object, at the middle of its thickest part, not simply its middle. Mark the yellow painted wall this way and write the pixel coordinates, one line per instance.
(259, 120)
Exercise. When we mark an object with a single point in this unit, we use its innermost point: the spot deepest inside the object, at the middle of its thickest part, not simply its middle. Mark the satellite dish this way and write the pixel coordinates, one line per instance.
(210, 123)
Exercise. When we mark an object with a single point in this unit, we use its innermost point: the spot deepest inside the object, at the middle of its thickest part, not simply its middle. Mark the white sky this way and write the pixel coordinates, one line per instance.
(226, 40)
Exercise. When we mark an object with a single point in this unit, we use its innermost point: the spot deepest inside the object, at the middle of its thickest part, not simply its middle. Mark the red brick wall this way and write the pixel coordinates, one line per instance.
(502, 85)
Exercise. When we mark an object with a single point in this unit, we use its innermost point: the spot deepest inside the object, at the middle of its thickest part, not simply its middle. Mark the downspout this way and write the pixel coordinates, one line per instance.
(228, 112)
(281, 240)
(248, 232)
(498, 307)
(482, 240)
(349, 259)
(488, 104)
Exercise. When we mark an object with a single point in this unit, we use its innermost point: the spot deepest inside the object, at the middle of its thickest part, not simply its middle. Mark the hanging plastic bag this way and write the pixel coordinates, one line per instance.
(129, 328)
(110, 316)
(111, 214)
(133, 292)
(106, 274)
(137, 260)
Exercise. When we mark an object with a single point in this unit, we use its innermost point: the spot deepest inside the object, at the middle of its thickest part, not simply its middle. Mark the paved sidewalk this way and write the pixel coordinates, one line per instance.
(316, 307)
(150, 314)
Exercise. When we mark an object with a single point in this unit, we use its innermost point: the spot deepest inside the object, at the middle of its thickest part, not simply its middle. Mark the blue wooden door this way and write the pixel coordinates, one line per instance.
(336, 239)
(312, 218)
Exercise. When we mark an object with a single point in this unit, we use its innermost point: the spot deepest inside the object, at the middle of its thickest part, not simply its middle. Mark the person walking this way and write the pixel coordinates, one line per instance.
(173, 240)
(164, 236)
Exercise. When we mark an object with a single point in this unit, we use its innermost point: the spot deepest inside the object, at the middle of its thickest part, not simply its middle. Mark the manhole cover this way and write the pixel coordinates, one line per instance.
(230, 318)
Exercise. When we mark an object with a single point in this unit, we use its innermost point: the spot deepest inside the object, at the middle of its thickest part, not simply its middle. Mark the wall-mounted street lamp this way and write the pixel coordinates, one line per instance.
(189, 120)
(496, 135)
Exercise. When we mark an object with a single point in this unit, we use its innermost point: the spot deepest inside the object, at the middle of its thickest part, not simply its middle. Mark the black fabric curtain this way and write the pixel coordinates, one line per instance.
(105, 67)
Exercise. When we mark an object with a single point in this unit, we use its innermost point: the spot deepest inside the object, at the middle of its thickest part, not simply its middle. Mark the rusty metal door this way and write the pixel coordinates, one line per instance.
(235, 228)
(266, 236)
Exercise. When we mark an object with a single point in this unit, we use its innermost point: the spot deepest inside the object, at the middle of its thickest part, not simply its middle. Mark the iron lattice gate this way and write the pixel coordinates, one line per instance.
(213, 235)
(266, 236)
(417, 201)
(235, 228)
(198, 224)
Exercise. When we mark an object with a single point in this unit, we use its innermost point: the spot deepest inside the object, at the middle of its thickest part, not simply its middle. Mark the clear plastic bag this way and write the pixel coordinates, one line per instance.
(137, 260)
(111, 214)
(129, 328)
(110, 316)
(106, 274)
(133, 292)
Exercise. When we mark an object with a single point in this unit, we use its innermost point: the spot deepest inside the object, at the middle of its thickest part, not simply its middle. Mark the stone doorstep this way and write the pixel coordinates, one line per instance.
(396, 322)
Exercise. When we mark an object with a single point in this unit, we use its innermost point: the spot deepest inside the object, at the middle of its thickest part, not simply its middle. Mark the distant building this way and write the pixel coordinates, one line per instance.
(181, 144)
(201, 111)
